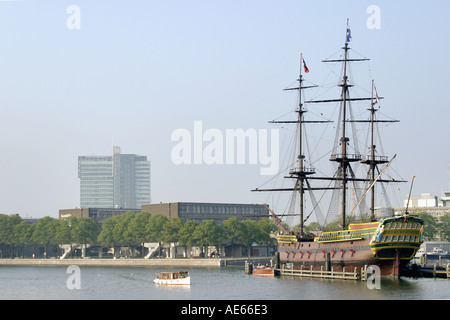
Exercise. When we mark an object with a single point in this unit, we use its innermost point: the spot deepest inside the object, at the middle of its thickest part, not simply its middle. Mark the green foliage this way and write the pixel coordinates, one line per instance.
(207, 233)
(155, 227)
(266, 228)
(86, 231)
(445, 227)
(233, 230)
(431, 226)
(186, 233)
(130, 229)
(106, 236)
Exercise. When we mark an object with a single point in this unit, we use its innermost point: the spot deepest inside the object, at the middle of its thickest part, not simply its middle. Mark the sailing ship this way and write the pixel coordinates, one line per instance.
(389, 242)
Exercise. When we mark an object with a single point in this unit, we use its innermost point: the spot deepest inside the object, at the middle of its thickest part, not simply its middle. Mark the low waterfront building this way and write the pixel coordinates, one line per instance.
(200, 211)
(98, 214)
(197, 211)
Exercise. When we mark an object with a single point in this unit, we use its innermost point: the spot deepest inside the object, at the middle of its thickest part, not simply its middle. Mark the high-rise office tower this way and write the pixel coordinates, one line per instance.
(117, 181)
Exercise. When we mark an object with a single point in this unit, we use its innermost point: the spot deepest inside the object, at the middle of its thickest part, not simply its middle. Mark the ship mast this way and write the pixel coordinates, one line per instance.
(344, 174)
(300, 111)
(344, 160)
(372, 163)
(373, 160)
(372, 157)
(301, 172)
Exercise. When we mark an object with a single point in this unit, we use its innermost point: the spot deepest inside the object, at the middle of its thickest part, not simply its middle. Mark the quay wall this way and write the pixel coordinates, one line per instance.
(210, 263)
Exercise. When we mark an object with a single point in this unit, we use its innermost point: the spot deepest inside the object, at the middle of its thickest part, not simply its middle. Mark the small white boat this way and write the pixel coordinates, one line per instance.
(173, 278)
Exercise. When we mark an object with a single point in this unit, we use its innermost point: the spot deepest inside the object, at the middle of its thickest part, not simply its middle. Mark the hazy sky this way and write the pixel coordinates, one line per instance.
(137, 70)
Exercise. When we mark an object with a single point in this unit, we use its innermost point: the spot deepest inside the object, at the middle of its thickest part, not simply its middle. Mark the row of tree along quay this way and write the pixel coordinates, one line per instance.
(20, 239)
(45, 239)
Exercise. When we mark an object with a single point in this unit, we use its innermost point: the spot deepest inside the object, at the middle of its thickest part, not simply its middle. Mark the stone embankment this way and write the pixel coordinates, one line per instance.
(211, 263)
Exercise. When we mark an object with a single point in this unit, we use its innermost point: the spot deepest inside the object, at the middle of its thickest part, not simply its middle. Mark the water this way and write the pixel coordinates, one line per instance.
(136, 283)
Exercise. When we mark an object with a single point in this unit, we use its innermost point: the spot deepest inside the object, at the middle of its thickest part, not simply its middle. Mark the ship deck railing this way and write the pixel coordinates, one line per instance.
(344, 235)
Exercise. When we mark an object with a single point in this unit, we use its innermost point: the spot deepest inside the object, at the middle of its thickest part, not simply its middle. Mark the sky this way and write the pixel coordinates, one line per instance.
(79, 76)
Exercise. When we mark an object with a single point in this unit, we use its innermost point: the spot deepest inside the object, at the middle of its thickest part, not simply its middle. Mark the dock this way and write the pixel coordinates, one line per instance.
(323, 274)
(428, 271)
(414, 271)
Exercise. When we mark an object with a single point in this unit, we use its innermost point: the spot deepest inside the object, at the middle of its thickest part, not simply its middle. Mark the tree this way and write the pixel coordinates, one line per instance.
(444, 227)
(3, 232)
(65, 231)
(155, 228)
(137, 227)
(7, 224)
(106, 236)
(430, 230)
(313, 226)
(121, 232)
(249, 234)
(207, 233)
(266, 228)
(45, 232)
(232, 231)
(186, 235)
(171, 230)
(22, 235)
(85, 232)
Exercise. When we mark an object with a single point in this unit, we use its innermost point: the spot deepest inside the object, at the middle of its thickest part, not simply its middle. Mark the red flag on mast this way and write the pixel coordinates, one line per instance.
(376, 95)
(304, 66)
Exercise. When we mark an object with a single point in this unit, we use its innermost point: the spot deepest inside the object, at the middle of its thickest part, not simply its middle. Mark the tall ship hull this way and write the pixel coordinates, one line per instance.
(389, 244)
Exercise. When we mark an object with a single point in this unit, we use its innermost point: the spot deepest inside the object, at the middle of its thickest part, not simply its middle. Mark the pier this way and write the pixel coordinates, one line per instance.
(324, 274)
(414, 271)
(428, 271)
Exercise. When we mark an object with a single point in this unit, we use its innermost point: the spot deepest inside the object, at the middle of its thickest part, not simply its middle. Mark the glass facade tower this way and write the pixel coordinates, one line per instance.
(117, 181)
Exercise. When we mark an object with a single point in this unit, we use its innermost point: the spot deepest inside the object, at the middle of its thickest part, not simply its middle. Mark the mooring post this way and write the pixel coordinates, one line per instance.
(327, 262)
(364, 273)
(248, 267)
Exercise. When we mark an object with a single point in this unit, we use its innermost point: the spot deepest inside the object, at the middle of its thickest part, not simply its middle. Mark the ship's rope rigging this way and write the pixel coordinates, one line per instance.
(313, 152)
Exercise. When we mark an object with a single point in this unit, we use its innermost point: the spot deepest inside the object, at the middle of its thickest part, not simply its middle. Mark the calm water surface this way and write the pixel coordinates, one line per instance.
(136, 283)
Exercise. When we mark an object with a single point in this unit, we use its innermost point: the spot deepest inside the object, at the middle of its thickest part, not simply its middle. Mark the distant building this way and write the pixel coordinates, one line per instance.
(116, 181)
(199, 212)
(423, 201)
(444, 201)
(98, 214)
(426, 203)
